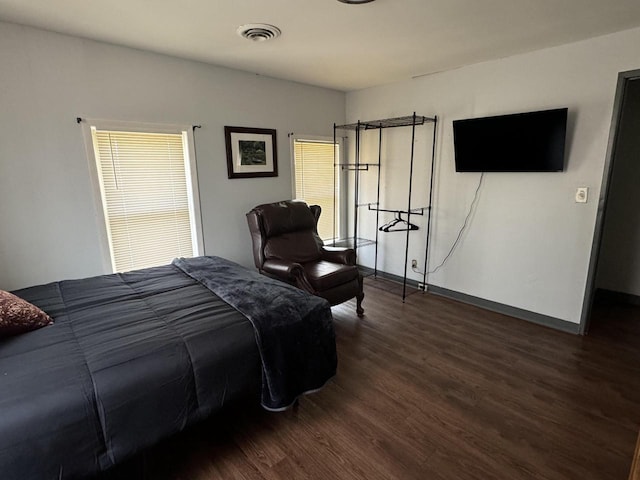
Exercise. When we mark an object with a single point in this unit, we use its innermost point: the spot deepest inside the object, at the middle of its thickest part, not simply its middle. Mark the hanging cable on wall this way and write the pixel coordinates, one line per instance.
(464, 227)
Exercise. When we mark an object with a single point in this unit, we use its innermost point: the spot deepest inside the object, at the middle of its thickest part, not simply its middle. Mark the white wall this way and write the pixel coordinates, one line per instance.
(619, 265)
(47, 209)
(529, 243)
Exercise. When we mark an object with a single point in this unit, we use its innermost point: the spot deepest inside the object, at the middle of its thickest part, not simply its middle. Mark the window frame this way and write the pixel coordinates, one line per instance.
(96, 182)
(341, 177)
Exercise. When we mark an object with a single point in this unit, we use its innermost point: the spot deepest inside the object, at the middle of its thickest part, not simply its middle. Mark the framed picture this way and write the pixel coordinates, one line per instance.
(251, 152)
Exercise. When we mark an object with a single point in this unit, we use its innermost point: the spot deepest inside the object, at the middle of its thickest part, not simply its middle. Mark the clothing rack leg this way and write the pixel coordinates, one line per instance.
(433, 163)
(406, 245)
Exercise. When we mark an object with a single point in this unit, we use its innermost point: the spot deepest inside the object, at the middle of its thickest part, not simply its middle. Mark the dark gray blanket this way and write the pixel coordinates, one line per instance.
(294, 331)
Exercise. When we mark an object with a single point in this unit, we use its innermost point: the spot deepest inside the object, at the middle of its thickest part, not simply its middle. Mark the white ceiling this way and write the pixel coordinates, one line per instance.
(328, 43)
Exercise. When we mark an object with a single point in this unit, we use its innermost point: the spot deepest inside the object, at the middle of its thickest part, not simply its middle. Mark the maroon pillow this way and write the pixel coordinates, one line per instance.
(19, 316)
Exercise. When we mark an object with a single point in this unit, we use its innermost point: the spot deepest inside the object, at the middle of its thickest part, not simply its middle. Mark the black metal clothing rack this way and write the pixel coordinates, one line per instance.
(357, 166)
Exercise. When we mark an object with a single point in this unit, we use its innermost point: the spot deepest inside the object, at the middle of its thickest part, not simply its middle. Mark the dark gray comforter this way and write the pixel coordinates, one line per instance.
(135, 357)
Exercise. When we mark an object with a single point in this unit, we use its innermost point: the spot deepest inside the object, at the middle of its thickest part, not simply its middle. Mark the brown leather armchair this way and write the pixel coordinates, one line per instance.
(286, 246)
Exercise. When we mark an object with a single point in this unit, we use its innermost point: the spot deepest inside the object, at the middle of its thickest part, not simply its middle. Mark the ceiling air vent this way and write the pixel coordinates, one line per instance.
(258, 32)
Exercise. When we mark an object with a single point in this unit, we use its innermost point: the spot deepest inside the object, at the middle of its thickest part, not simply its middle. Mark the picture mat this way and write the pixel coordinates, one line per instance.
(238, 167)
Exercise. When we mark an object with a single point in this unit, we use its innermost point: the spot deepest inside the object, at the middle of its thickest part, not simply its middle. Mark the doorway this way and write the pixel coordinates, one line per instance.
(614, 269)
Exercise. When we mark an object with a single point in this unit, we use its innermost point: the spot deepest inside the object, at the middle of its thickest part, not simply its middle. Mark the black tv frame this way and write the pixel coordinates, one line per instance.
(501, 140)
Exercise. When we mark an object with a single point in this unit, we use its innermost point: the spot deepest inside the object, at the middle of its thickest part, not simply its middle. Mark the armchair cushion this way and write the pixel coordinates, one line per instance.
(326, 275)
(298, 247)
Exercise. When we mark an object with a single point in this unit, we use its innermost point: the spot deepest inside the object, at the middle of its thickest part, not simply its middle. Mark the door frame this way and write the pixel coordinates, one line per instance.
(623, 80)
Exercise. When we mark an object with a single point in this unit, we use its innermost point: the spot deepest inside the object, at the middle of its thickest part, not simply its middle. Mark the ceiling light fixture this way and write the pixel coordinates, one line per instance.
(258, 32)
(355, 2)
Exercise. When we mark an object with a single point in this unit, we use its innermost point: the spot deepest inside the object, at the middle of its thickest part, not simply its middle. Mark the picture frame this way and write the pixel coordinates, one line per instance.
(251, 152)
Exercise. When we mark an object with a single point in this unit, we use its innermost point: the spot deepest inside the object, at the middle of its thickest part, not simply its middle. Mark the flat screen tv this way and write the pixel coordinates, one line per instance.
(522, 142)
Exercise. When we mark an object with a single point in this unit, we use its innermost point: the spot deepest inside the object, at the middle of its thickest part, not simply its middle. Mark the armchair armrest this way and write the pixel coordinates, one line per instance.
(290, 272)
(346, 256)
(283, 269)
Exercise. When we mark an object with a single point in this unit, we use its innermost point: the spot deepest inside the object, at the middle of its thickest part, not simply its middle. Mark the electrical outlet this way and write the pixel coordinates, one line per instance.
(414, 263)
(422, 286)
(582, 194)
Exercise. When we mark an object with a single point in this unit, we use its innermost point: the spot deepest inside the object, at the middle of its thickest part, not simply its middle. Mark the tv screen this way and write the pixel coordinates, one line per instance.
(522, 142)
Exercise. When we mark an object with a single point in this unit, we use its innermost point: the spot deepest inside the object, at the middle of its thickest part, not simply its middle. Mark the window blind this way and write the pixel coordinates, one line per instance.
(315, 173)
(143, 180)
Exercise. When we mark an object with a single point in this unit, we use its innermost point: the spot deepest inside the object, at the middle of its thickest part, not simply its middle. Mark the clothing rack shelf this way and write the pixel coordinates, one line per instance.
(407, 121)
(357, 166)
(348, 242)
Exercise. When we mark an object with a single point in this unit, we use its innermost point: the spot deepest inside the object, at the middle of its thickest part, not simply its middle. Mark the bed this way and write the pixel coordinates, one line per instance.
(135, 357)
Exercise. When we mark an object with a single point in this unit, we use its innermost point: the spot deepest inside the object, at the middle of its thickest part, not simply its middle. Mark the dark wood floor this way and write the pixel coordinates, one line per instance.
(435, 389)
